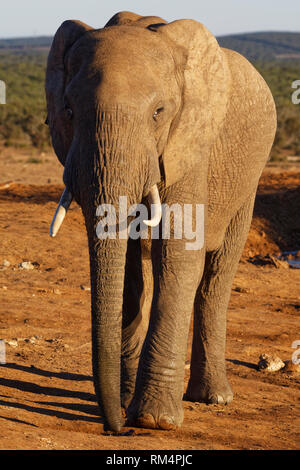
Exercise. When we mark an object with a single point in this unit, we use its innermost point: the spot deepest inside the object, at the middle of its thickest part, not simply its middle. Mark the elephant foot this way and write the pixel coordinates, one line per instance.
(210, 392)
(155, 413)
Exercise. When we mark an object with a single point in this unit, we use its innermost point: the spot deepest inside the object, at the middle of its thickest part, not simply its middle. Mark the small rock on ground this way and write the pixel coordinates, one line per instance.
(12, 342)
(26, 265)
(270, 363)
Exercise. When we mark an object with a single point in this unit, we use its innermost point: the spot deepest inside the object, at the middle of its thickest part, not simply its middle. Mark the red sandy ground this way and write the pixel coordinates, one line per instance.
(46, 393)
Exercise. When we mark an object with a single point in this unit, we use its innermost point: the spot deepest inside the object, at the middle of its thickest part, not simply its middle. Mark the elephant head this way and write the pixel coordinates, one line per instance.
(122, 102)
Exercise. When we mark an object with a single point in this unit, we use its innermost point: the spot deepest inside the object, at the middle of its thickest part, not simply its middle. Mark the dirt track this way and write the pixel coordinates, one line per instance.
(46, 393)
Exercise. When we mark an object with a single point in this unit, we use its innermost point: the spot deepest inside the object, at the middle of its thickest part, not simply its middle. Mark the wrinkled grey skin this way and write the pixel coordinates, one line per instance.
(141, 102)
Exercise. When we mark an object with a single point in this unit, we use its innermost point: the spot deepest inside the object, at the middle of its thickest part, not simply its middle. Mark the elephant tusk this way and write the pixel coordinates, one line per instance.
(155, 204)
(60, 213)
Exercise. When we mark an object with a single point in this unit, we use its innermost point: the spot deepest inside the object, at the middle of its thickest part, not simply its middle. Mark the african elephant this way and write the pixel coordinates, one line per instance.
(160, 113)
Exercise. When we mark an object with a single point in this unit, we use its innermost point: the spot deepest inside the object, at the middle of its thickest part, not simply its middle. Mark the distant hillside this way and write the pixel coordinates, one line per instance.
(264, 46)
(26, 43)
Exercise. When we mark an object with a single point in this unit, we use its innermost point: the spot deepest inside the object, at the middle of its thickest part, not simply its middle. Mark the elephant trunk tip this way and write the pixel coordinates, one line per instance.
(112, 412)
(113, 426)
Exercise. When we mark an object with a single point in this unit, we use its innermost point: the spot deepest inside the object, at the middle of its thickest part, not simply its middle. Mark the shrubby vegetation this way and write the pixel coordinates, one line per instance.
(22, 118)
(280, 75)
(23, 62)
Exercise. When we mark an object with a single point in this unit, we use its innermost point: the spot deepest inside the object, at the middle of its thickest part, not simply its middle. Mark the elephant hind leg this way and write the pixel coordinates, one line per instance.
(208, 380)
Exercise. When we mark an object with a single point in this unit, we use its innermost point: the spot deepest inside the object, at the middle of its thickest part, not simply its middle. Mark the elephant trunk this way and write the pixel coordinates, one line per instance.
(107, 281)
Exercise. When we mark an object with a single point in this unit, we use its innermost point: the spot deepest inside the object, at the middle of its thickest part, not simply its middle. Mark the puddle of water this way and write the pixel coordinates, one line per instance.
(295, 263)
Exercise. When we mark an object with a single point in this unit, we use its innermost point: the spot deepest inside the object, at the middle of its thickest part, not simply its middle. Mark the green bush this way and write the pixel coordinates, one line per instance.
(280, 75)
(22, 117)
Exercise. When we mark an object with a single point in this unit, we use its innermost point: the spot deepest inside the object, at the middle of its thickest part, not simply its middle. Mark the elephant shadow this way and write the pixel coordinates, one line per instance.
(86, 412)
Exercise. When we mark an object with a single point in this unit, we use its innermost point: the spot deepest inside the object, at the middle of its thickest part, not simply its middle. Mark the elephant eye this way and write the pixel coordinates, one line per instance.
(157, 113)
(68, 109)
(69, 113)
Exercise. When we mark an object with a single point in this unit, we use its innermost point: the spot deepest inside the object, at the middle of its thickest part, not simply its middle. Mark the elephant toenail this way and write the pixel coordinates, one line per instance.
(218, 399)
(165, 422)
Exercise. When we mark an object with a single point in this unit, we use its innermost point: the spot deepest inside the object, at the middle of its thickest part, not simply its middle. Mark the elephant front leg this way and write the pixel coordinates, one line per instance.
(208, 381)
(157, 402)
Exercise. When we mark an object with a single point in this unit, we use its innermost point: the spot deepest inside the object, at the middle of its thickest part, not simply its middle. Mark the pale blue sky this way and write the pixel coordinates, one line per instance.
(39, 17)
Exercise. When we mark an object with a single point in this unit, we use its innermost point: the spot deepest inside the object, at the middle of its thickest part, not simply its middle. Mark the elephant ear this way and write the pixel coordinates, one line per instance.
(60, 128)
(205, 85)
